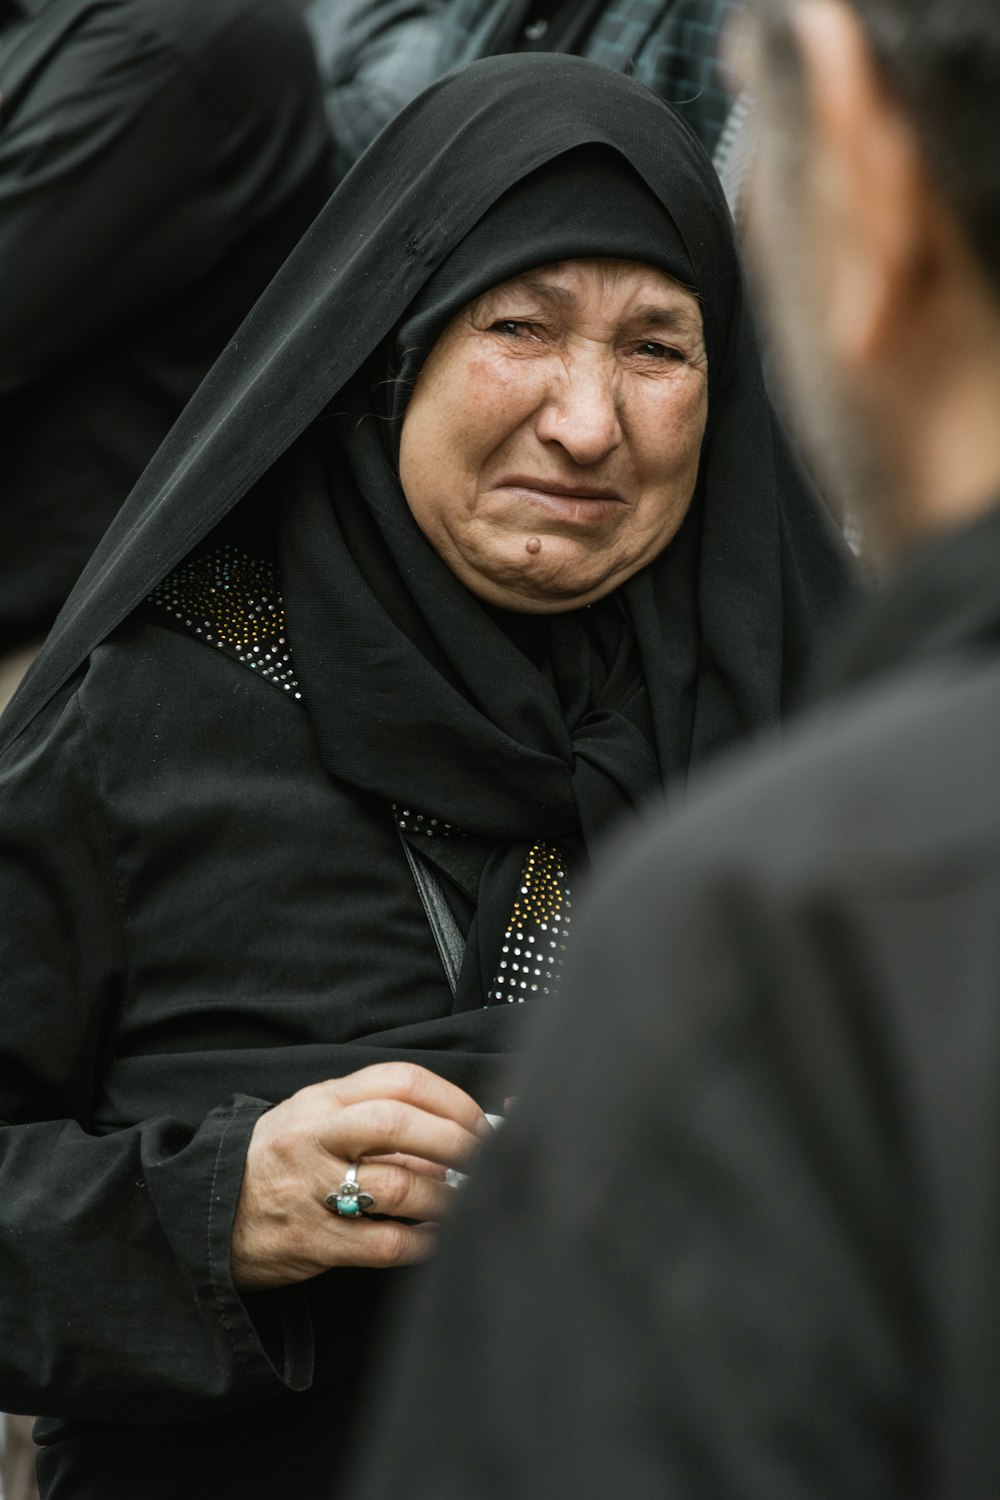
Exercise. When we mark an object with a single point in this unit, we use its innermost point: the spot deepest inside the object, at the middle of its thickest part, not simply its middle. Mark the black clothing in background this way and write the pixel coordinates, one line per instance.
(158, 160)
(207, 905)
(740, 1237)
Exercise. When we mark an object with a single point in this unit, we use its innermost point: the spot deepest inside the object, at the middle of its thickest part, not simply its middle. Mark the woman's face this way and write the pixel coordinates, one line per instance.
(550, 448)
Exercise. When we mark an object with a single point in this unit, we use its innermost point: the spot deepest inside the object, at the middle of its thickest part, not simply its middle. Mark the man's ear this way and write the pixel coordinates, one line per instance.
(873, 205)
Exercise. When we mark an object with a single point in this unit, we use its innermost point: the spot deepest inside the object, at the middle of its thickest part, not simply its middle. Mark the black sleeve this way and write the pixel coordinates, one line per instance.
(115, 1292)
(681, 1268)
(129, 168)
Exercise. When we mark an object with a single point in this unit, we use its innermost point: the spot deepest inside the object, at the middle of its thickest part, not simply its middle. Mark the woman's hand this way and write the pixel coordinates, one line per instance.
(404, 1126)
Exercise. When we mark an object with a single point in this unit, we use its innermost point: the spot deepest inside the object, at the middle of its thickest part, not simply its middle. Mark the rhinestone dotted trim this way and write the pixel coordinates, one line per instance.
(233, 601)
(534, 944)
(411, 822)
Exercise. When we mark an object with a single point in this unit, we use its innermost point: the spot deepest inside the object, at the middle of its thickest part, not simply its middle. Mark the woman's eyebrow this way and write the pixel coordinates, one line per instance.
(649, 314)
(654, 314)
(671, 319)
(556, 296)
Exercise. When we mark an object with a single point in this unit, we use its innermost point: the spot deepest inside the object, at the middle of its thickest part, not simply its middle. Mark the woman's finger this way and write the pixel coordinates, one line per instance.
(410, 1084)
(412, 1163)
(381, 1244)
(382, 1127)
(322, 1242)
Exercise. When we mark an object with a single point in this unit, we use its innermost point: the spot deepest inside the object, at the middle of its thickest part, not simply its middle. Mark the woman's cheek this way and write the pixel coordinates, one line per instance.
(679, 419)
(497, 393)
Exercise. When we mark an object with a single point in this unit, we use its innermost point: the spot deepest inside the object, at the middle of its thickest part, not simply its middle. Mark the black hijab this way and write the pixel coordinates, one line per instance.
(418, 693)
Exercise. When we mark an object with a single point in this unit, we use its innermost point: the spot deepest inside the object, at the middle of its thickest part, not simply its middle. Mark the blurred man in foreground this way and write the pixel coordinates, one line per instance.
(741, 1235)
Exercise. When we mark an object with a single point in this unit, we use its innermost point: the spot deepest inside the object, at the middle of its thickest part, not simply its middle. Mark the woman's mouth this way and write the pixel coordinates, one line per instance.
(577, 503)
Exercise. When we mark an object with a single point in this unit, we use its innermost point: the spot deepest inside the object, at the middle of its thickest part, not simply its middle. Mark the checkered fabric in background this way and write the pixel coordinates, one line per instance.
(669, 45)
(376, 55)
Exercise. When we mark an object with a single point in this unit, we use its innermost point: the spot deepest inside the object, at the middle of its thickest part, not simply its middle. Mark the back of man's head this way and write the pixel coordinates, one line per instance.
(875, 218)
(941, 58)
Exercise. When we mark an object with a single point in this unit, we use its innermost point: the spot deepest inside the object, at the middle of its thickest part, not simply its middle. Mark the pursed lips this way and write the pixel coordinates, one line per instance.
(568, 500)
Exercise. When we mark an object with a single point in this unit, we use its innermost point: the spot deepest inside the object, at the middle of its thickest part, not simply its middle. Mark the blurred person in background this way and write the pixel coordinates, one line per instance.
(376, 55)
(157, 163)
(158, 160)
(740, 1236)
(672, 46)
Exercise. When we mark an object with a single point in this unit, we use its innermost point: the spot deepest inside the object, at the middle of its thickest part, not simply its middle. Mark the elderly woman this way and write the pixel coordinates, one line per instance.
(478, 538)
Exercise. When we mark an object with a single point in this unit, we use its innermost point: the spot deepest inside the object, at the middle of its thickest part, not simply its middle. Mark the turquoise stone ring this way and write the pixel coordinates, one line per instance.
(350, 1201)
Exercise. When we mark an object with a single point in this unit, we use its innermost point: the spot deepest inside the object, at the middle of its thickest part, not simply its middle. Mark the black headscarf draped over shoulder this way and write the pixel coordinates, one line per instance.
(418, 693)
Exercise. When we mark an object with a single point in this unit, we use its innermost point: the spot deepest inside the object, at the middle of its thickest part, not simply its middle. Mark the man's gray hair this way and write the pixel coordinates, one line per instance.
(941, 59)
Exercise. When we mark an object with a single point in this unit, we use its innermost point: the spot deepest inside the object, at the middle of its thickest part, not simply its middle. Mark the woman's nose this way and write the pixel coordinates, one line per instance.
(581, 412)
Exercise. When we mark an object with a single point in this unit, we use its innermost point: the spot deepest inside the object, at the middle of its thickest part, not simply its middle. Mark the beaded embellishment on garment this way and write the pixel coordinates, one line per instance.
(233, 601)
(411, 822)
(534, 943)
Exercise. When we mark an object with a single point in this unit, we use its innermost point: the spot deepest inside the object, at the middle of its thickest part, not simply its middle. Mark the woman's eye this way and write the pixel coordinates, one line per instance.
(510, 327)
(650, 349)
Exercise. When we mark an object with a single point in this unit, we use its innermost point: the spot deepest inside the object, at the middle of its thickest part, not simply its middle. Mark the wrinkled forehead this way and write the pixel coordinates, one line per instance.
(624, 288)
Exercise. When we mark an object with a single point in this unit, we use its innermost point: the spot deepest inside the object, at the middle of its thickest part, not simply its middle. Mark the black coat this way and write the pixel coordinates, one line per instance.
(741, 1236)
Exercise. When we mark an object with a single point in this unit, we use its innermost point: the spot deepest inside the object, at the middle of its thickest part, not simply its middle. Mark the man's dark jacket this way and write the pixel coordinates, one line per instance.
(741, 1235)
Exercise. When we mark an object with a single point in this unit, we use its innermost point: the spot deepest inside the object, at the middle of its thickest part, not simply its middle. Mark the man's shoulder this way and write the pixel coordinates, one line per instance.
(871, 789)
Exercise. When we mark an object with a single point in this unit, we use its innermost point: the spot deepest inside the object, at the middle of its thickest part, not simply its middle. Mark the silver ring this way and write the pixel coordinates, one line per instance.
(350, 1200)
